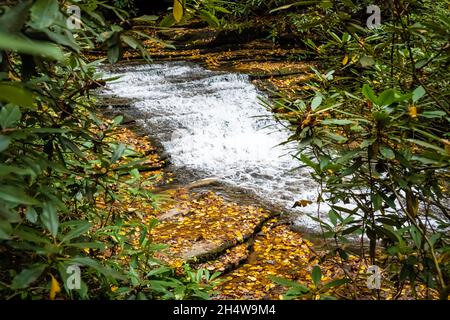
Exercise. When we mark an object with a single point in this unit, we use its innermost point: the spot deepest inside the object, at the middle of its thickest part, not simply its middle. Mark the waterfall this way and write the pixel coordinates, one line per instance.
(213, 123)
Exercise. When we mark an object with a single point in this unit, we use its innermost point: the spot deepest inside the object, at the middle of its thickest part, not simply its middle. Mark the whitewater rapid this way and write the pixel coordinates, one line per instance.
(214, 123)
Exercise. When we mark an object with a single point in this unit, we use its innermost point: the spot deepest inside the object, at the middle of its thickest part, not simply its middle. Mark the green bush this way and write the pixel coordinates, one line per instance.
(373, 126)
(57, 163)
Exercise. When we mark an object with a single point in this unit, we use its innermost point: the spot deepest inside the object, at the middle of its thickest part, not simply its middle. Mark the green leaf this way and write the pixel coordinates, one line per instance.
(418, 94)
(31, 215)
(209, 18)
(369, 93)
(298, 3)
(288, 283)
(335, 283)
(339, 122)
(24, 45)
(428, 145)
(4, 142)
(89, 262)
(80, 228)
(350, 230)
(44, 13)
(32, 235)
(27, 276)
(49, 218)
(132, 42)
(367, 61)
(16, 195)
(377, 201)
(6, 170)
(72, 146)
(386, 98)
(332, 215)
(316, 102)
(146, 18)
(387, 152)
(416, 236)
(316, 275)
(9, 116)
(14, 18)
(5, 230)
(433, 114)
(16, 95)
(118, 153)
(338, 138)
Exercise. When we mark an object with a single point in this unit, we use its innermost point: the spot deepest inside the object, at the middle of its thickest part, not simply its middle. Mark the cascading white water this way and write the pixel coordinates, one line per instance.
(214, 123)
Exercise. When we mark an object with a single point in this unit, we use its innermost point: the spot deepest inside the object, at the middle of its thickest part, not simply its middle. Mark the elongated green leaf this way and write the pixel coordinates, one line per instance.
(16, 95)
(298, 3)
(44, 13)
(428, 145)
(339, 122)
(387, 152)
(316, 102)
(89, 262)
(4, 142)
(49, 218)
(5, 230)
(316, 275)
(118, 153)
(416, 236)
(418, 94)
(16, 195)
(9, 116)
(369, 93)
(27, 276)
(72, 146)
(81, 228)
(24, 45)
(335, 283)
(6, 170)
(132, 42)
(31, 215)
(146, 18)
(386, 98)
(288, 283)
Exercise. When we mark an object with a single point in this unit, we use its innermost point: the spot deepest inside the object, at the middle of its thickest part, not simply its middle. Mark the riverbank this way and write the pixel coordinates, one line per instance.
(248, 244)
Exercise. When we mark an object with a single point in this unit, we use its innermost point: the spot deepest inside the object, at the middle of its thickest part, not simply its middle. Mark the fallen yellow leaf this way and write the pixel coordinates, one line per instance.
(54, 288)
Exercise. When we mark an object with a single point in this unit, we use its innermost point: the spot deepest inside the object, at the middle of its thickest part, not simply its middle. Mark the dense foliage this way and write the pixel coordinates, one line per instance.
(61, 169)
(372, 124)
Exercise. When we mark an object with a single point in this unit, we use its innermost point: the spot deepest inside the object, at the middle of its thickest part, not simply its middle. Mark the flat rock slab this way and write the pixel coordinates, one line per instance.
(199, 228)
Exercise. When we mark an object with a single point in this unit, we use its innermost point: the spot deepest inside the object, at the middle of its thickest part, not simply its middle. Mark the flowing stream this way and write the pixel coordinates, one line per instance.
(212, 123)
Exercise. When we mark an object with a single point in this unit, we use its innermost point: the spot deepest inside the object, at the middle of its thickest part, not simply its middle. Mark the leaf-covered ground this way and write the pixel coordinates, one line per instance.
(246, 244)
